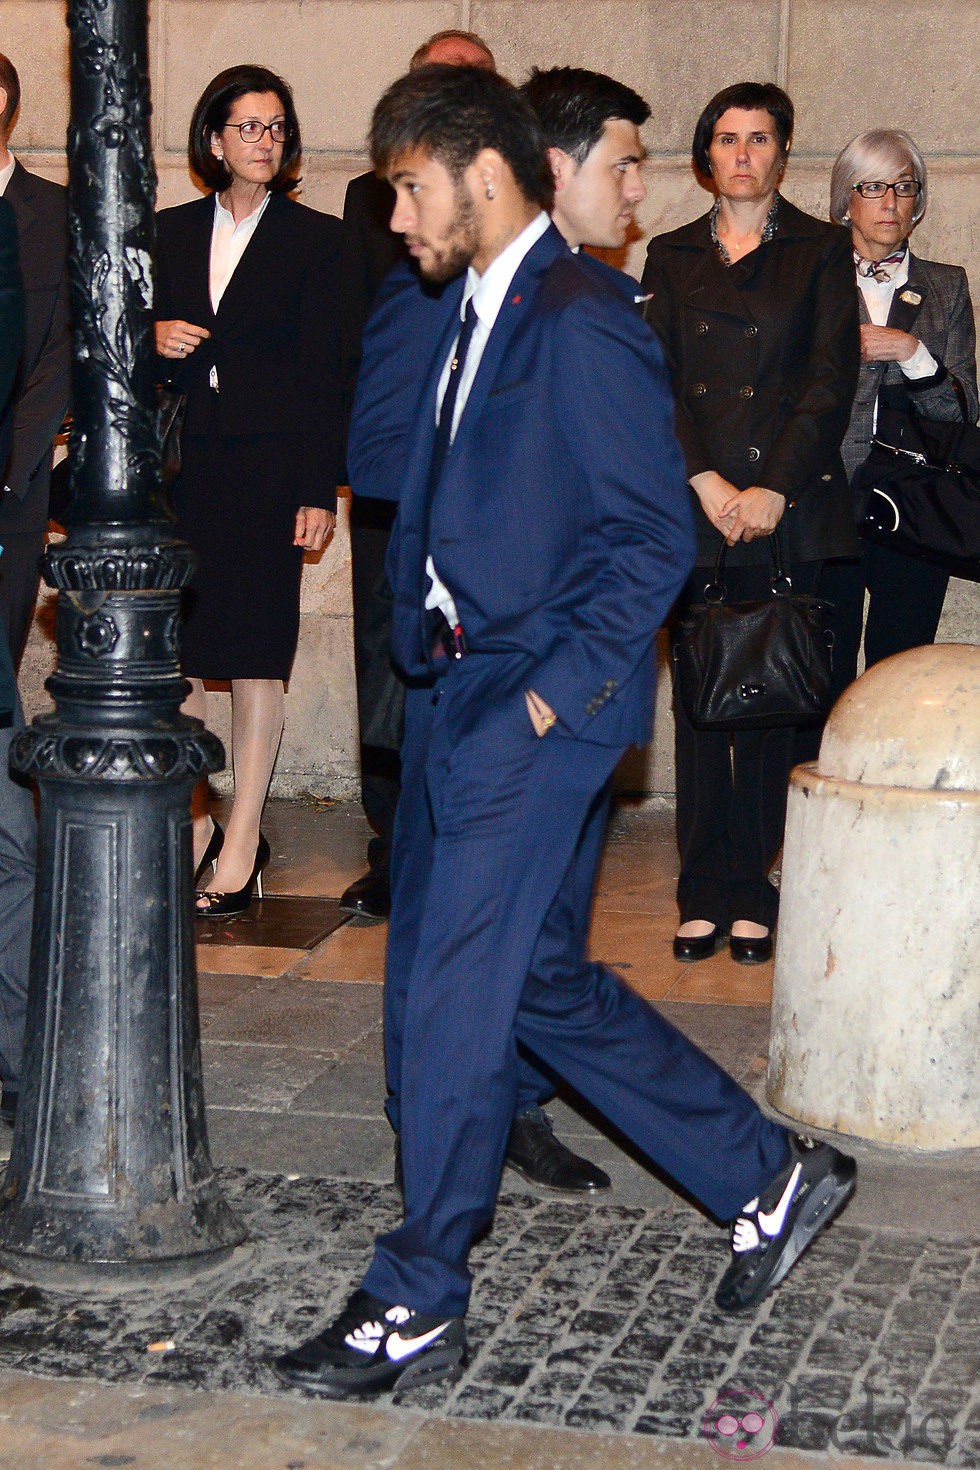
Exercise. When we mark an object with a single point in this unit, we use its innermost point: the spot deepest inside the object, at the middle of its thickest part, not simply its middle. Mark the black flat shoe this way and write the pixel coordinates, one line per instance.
(751, 951)
(231, 905)
(697, 947)
(215, 843)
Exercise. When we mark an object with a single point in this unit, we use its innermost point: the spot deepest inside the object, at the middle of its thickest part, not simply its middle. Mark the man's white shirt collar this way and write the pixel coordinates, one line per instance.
(488, 291)
(6, 174)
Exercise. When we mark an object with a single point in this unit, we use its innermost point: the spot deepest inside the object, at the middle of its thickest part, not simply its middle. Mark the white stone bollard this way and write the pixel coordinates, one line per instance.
(875, 1027)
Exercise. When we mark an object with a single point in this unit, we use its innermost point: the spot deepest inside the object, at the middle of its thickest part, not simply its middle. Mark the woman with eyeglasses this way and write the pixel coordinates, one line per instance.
(754, 305)
(248, 322)
(918, 346)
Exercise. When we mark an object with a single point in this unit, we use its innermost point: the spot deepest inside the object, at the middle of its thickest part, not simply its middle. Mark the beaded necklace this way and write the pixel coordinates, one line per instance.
(768, 229)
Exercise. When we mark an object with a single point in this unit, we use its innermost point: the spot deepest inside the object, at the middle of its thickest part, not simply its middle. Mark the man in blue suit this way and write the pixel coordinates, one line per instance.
(543, 532)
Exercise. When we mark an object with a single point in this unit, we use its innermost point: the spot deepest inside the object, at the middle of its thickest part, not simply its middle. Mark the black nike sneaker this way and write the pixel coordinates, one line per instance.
(374, 1347)
(773, 1231)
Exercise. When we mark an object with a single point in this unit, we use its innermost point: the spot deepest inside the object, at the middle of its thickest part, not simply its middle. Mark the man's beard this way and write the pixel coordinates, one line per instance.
(462, 239)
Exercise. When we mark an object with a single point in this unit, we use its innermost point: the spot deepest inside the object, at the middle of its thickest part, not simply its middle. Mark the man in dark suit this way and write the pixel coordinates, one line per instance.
(543, 532)
(17, 824)
(41, 392)
(372, 250)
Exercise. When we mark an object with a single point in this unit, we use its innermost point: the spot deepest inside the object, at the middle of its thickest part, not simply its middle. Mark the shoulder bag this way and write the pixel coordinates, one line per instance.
(753, 665)
(918, 491)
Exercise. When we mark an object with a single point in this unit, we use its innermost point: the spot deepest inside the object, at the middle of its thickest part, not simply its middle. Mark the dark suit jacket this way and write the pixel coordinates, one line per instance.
(43, 389)
(942, 318)
(764, 360)
(11, 345)
(11, 319)
(275, 339)
(561, 524)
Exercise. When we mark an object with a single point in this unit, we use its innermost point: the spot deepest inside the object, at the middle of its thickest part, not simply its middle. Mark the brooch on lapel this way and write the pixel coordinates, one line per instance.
(911, 297)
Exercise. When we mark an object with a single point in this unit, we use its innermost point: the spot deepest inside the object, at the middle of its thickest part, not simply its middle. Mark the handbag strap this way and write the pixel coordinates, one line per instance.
(780, 583)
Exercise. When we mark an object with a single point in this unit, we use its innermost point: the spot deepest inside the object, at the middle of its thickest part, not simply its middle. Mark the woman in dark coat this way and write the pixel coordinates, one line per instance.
(918, 348)
(249, 322)
(754, 305)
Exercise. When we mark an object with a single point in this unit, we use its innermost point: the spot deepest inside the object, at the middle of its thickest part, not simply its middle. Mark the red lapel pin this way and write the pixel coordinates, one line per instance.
(515, 301)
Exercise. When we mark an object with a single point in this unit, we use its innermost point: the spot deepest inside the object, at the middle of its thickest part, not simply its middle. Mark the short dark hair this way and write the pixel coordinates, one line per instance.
(452, 112)
(421, 55)
(10, 82)
(749, 97)
(212, 113)
(573, 106)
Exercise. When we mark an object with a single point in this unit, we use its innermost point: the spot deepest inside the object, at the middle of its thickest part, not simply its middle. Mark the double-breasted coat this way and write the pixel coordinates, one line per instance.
(763, 357)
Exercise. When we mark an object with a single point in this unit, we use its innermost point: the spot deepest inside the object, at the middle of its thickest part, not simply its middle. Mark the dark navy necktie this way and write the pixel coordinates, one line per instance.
(444, 428)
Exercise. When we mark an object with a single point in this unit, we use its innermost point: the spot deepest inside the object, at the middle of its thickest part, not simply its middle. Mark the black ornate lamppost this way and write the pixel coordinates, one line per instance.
(109, 1169)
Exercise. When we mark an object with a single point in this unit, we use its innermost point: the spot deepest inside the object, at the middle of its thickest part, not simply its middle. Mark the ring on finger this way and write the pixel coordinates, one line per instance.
(181, 348)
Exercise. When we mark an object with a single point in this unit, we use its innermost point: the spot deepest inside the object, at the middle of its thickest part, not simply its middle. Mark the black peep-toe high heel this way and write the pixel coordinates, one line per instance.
(231, 905)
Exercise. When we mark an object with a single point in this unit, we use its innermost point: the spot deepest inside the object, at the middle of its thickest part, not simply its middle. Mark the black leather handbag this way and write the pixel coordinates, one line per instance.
(171, 408)
(754, 665)
(919, 490)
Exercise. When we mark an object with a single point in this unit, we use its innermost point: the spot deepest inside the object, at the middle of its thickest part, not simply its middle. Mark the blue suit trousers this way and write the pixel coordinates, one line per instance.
(495, 861)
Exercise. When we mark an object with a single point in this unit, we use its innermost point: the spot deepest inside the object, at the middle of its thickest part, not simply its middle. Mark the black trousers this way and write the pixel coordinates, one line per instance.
(905, 603)
(731, 790)
(20, 577)
(380, 693)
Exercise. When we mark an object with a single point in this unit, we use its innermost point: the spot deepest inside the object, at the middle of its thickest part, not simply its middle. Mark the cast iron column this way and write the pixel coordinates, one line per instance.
(109, 1169)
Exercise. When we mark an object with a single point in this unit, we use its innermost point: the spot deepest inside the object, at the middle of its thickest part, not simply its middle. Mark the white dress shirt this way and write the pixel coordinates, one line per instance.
(228, 242)
(487, 293)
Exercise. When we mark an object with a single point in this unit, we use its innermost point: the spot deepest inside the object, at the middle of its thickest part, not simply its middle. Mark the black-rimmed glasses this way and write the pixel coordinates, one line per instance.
(254, 131)
(877, 189)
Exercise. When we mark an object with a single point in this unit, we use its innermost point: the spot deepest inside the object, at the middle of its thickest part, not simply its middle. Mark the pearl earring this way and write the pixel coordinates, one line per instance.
(489, 191)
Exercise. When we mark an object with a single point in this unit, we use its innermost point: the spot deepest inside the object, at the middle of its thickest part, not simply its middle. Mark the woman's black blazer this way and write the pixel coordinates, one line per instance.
(276, 336)
(764, 358)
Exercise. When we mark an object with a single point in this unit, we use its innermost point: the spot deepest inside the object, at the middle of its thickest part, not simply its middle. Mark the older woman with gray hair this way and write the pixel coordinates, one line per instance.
(918, 347)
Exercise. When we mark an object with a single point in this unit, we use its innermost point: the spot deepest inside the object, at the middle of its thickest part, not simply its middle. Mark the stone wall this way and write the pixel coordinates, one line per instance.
(848, 67)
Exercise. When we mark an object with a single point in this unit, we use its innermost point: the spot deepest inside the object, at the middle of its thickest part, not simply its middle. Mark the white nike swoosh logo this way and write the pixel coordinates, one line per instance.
(773, 1223)
(398, 1347)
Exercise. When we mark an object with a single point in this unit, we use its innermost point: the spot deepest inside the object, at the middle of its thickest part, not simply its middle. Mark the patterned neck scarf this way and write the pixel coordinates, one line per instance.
(880, 270)
(768, 229)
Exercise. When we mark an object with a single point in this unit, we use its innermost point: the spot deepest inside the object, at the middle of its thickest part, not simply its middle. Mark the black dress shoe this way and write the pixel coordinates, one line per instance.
(751, 951)
(373, 1347)
(8, 1107)
(368, 897)
(697, 946)
(534, 1151)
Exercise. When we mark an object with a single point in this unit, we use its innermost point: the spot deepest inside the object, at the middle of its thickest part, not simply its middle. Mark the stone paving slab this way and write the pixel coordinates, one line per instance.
(595, 1318)
(49, 1425)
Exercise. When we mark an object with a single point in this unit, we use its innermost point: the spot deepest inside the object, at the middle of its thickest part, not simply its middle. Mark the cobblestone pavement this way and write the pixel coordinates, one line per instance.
(584, 1316)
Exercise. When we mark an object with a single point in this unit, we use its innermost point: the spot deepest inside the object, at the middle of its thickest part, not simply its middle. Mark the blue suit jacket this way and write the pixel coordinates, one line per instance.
(561, 524)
